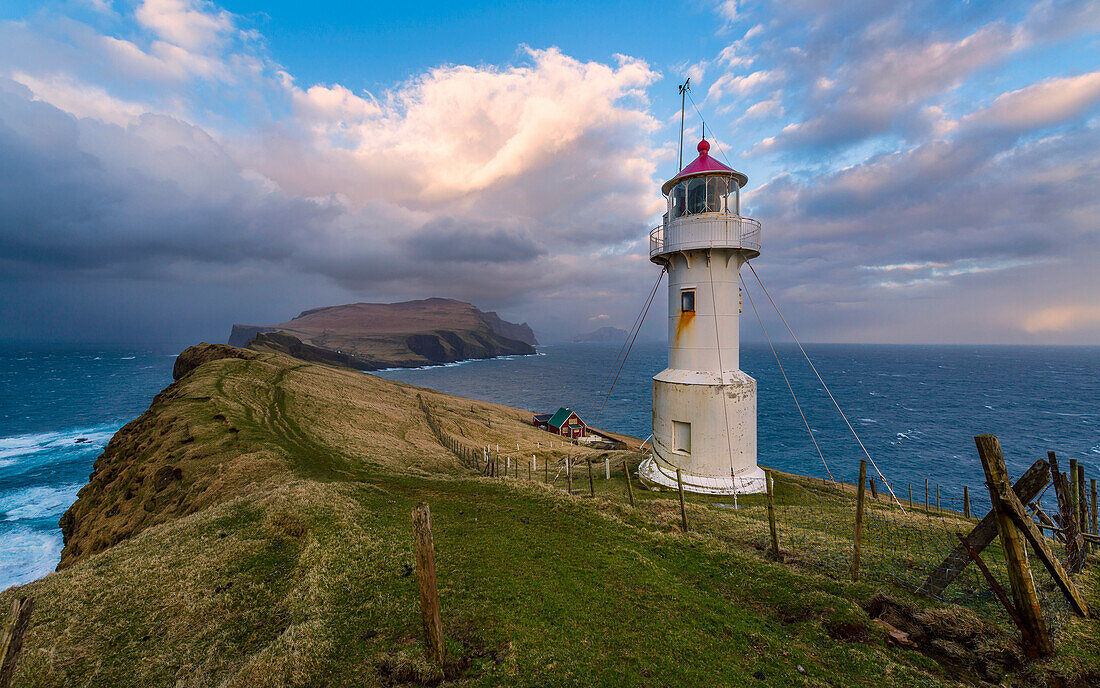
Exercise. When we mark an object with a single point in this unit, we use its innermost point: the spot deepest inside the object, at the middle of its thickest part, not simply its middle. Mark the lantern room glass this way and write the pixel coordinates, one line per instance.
(710, 194)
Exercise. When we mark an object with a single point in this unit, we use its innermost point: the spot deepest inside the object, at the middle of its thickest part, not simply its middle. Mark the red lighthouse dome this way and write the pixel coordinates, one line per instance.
(704, 165)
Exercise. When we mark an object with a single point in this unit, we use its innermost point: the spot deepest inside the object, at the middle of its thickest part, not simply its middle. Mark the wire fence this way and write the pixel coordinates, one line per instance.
(912, 543)
(910, 535)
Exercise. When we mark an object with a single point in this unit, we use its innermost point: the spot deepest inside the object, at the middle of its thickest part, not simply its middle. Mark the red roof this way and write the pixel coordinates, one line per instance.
(702, 165)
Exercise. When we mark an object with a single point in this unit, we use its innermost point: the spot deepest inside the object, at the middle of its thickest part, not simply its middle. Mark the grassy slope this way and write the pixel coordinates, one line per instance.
(288, 561)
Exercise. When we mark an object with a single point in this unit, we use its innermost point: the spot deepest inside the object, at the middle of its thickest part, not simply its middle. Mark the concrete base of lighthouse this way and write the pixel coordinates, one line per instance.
(705, 425)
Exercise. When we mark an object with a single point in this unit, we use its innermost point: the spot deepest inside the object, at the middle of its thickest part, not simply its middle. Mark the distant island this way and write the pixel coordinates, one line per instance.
(372, 336)
(604, 334)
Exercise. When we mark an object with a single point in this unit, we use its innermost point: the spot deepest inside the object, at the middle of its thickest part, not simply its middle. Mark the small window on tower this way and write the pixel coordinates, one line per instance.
(681, 436)
(687, 301)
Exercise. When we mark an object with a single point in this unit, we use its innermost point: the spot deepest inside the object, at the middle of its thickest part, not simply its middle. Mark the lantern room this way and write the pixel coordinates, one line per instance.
(704, 186)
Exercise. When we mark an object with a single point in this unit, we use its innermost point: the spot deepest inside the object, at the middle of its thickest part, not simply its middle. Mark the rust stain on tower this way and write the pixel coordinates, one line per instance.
(686, 318)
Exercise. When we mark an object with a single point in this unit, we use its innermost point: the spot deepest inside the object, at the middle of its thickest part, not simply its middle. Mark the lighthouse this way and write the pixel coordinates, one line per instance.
(704, 406)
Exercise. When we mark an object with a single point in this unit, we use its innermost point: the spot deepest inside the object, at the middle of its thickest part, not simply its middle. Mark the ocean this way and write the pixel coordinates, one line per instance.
(916, 409)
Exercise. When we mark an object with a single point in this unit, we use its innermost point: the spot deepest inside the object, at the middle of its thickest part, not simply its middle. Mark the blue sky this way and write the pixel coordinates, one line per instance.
(924, 171)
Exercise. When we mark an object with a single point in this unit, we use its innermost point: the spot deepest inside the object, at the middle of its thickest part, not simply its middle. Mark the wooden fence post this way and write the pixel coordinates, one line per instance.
(966, 501)
(1083, 504)
(1074, 493)
(569, 474)
(1074, 541)
(874, 490)
(630, 488)
(591, 484)
(938, 509)
(1019, 572)
(425, 575)
(769, 483)
(11, 637)
(926, 510)
(606, 468)
(857, 542)
(683, 509)
(1095, 528)
(910, 495)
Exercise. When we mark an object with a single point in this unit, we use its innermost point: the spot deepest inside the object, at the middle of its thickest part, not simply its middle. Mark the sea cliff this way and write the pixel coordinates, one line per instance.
(373, 336)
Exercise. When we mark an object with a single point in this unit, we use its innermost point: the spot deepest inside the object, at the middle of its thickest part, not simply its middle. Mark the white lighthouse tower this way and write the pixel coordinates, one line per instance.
(704, 407)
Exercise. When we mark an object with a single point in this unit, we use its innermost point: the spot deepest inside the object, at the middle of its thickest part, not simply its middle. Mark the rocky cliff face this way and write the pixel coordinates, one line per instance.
(371, 336)
(521, 332)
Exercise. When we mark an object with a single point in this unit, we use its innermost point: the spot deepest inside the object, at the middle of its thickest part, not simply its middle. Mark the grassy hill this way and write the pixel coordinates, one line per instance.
(253, 528)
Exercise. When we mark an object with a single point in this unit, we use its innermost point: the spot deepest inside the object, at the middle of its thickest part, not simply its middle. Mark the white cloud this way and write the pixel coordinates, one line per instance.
(731, 84)
(81, 100)
(461, 129)
(190, 24)
(1048, 102)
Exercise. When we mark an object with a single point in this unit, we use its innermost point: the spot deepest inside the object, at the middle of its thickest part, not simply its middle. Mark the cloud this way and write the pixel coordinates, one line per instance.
(1048, 102)
(740, 85)
(79, 99)
(891, 75)
(190, 24)
(1063, 318)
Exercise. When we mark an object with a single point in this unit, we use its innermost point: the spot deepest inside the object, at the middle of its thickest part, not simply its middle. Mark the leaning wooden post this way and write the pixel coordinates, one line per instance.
(11, 637)
(995, 586)
(966, 501)
(769, 483)
(591, 484)
(425, 574)
(630, 488)
(1019, 571)
(857, 542)
(874, 490)
(683, 509)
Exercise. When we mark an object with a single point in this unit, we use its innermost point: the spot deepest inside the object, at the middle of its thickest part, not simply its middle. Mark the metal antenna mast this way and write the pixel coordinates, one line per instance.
(684, 88)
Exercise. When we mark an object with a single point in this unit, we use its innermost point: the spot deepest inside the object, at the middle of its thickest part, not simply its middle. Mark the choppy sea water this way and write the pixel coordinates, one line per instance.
(916, 409)
(59, 406)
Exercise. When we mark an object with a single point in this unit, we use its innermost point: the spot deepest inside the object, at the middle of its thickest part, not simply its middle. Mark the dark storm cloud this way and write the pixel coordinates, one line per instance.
(85, 196)
(445, 240)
